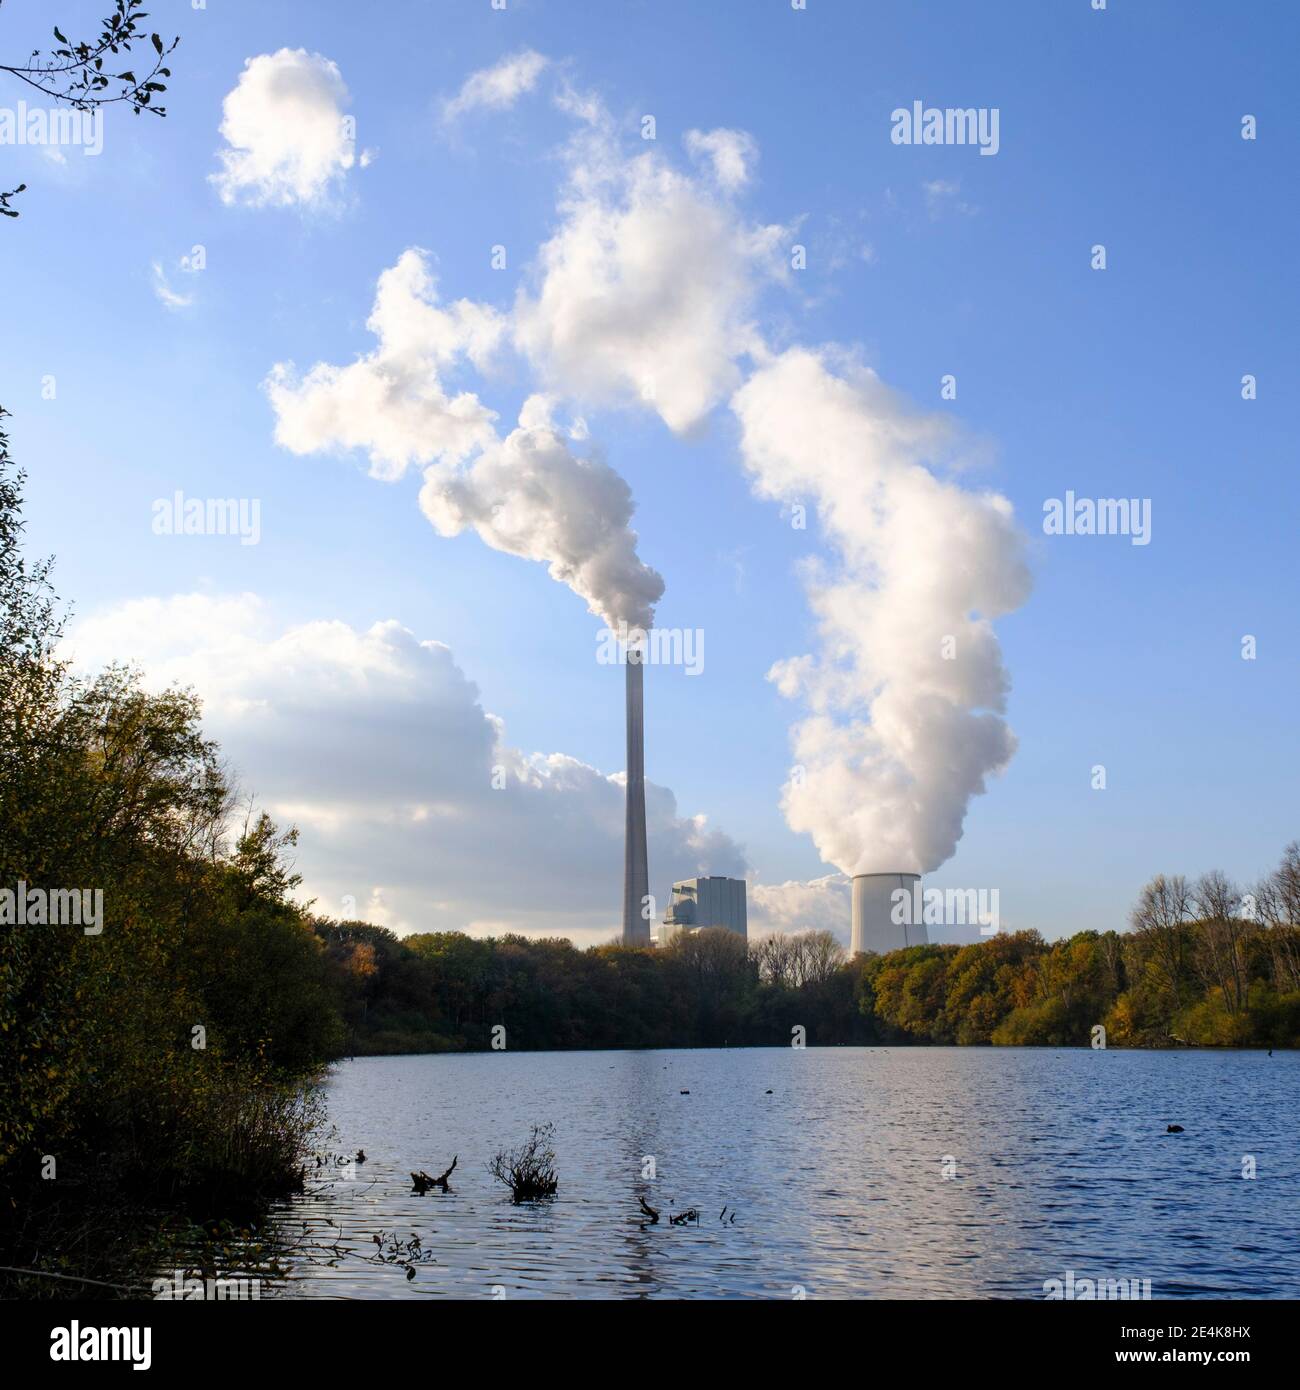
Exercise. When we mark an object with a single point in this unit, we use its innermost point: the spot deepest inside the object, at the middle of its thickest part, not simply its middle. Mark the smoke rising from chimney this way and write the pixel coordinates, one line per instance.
(527, 494)
(530, 495)
(907, 689)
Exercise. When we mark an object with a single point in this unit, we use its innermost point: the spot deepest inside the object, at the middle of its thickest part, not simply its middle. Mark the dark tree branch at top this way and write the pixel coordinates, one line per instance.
(74, 73)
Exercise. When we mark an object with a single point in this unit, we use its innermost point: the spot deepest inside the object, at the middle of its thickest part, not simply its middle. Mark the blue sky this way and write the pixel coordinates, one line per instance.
(1119, 127)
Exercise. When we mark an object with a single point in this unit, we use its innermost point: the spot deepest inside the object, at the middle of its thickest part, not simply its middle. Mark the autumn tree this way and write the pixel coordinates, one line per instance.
(1160, 921)
(1221, 938)
(1277, 906)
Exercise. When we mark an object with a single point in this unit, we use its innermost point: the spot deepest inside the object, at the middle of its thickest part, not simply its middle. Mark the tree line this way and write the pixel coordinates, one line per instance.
(1203, 964)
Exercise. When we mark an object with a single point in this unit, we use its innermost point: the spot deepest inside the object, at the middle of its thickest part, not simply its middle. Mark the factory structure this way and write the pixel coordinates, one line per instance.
(700, 903)
(636, 871)
(880, 921)
(697, 903)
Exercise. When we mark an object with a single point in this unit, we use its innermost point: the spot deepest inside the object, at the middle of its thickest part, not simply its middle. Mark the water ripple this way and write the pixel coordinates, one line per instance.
(1059, 1161)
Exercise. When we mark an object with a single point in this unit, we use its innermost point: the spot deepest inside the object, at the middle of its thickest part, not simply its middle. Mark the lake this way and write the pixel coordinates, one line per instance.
(1059, 1160)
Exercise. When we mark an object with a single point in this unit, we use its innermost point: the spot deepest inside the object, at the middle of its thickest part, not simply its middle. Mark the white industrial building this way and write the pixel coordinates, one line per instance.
(886, 915)
(713, 901)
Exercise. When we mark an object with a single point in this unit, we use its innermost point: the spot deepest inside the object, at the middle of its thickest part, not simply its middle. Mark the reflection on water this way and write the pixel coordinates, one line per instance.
(836, 1178)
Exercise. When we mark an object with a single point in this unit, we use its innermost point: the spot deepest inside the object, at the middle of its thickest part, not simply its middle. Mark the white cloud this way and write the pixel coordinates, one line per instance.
(645, 294)
(391, 403)
(379, 747)
(168, 297)
(819, 904)
(907, 689)
(582, 106)
(497, 88)
(287, 139)
(730, 154)
(944, 195)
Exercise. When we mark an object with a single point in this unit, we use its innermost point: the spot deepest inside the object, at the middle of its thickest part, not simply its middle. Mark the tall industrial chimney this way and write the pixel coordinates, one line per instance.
(876, 924)
(636, 873)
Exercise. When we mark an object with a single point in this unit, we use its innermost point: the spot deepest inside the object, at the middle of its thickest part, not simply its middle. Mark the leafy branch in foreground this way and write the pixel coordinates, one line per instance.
(74, 73)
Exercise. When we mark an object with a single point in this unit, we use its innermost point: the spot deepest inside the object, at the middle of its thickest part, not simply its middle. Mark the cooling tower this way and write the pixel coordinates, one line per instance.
(636, 874)
(878, 924)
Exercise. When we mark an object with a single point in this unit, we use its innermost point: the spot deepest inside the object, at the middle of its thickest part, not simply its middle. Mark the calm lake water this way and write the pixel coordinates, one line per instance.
(836, 1178)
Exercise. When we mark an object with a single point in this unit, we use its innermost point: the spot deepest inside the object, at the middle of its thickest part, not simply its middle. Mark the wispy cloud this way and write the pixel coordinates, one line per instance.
(943, 196)
(168, 297)
(730, 154)
(497, 88)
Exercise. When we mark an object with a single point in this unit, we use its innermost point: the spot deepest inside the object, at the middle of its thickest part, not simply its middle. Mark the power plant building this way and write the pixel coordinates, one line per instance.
(712, 901)
(636, 871)
(886, 914)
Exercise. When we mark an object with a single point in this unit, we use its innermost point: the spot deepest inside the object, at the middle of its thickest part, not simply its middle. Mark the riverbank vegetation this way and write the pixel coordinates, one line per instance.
(1203, 965)
(153, 1045)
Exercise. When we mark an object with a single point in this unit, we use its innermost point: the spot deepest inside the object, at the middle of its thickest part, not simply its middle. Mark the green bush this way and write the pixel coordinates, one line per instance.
(1045, 1023)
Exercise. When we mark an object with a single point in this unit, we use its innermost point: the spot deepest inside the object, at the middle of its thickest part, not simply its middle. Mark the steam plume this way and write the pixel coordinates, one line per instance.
(529, 495)
(907, 689)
